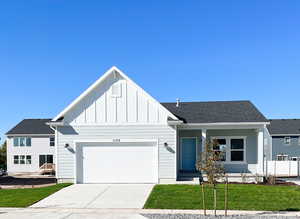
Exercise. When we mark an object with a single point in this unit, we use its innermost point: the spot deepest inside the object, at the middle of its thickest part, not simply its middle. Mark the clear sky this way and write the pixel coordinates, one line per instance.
(51, 51)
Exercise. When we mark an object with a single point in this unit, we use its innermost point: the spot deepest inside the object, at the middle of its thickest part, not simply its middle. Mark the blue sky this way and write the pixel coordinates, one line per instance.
(51, 51)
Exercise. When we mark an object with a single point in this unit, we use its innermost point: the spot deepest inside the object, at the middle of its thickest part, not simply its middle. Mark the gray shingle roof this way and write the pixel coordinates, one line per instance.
(284, 126)
(216, 112)
(31, 126)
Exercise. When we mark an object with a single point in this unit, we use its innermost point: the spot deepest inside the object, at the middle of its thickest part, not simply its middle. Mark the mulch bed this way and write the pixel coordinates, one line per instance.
(12, 182)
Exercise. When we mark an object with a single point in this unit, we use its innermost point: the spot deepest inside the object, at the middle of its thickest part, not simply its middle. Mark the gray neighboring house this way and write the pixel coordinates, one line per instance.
(285, 139)
(30, 144)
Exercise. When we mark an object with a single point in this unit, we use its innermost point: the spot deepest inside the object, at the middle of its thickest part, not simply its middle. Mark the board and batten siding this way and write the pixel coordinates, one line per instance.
(133, 105)
(163, 133)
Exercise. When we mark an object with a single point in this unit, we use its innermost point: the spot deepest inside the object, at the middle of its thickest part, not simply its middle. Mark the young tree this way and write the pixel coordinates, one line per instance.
(210, 164)
(3, 156)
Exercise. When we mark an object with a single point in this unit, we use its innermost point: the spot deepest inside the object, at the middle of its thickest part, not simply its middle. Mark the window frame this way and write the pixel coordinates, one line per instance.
(52, 141)
(26, 139)
(285, 138)
(26, 159)
(228, 148)
(298, 140)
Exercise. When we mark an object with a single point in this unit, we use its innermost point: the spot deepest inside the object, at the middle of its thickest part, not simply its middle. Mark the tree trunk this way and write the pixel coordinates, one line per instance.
(226, 194)
(215, 200)
(203, 198)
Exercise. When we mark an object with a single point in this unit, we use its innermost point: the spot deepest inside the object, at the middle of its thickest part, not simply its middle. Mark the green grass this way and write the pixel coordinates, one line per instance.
(240, 197)
(27, 197)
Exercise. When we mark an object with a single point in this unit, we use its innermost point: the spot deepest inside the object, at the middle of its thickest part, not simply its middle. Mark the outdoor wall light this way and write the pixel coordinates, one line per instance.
(166, 144)
(67, 145)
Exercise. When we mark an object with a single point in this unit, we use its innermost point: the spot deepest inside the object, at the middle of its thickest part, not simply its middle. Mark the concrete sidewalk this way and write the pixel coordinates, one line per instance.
(70, 213)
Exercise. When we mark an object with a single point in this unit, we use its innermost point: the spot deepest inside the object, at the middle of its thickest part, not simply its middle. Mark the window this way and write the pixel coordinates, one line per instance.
(52, 141)
(298, 140)
(237, 149)
(22, 159)
(219, 146)
(45, 158)
(282, 157)
(16, 141)
(287, 140)
(116, 90)
(16, 159)
(294, 158)
(233, 149)
(22, 141)
(28, 159)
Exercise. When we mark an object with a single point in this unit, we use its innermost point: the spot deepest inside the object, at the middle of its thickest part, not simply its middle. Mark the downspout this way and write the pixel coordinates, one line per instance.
(54, 128)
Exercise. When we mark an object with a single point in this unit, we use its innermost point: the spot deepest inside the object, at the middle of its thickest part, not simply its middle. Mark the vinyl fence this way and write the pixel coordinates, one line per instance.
(286, 168)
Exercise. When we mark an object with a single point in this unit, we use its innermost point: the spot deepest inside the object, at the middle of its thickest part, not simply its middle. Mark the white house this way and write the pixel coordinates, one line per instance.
(30, 144)
(115, 132)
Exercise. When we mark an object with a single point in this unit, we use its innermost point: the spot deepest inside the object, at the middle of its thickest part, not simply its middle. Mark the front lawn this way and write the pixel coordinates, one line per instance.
(240, 197)
(27, 197)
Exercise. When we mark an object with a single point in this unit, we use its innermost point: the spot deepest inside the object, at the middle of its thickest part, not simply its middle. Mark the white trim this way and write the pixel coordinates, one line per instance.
(227, 123)
(115, 124)
(76, 142)
(228, 148)
(95, 84)
(28, 135)
(196, 146)
(220, 126)
(283, 135)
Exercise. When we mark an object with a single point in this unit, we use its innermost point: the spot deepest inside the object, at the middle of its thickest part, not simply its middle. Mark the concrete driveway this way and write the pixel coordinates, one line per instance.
(98, 196)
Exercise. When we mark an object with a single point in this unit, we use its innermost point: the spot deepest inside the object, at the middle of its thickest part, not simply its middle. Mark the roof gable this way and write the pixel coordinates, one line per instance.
(98, 105)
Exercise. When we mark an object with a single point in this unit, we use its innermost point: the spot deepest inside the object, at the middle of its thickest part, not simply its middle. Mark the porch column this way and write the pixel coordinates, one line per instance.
(203, 140)
(260, 151)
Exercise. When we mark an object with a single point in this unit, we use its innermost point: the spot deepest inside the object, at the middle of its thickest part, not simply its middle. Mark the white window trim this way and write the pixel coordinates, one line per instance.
(196, 154)
(284, 140)
(18, 140)
(19, 159)
(228, 148)
(53, 137)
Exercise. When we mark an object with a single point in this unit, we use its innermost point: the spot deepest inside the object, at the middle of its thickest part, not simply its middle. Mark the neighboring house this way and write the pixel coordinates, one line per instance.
(115, 132)
(30, 144)
(285, 139)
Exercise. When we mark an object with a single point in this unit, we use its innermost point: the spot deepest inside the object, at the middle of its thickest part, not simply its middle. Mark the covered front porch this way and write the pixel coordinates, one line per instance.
(242, 147)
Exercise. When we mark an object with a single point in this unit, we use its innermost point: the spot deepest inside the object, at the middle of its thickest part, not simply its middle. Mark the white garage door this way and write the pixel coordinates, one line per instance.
(117, 162)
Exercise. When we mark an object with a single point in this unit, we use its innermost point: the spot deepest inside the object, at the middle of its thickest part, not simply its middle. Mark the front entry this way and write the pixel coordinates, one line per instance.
(188, 154)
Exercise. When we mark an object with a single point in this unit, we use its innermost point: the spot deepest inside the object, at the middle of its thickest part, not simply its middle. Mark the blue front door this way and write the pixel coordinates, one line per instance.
(188, 152)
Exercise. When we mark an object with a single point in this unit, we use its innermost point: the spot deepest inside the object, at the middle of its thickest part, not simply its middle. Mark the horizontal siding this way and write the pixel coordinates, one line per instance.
(164, 134)
(39, 145)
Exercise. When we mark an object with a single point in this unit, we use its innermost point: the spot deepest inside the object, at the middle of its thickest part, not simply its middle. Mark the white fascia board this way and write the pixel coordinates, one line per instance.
(95, 84)
(227, 123)
(84, 94)
(55, 123)
(285, 135)
(176, 122)
(13, 135)
(241, 125)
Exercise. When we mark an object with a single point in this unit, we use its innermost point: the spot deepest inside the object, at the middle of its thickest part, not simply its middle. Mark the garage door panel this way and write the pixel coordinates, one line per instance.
(118, 164)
